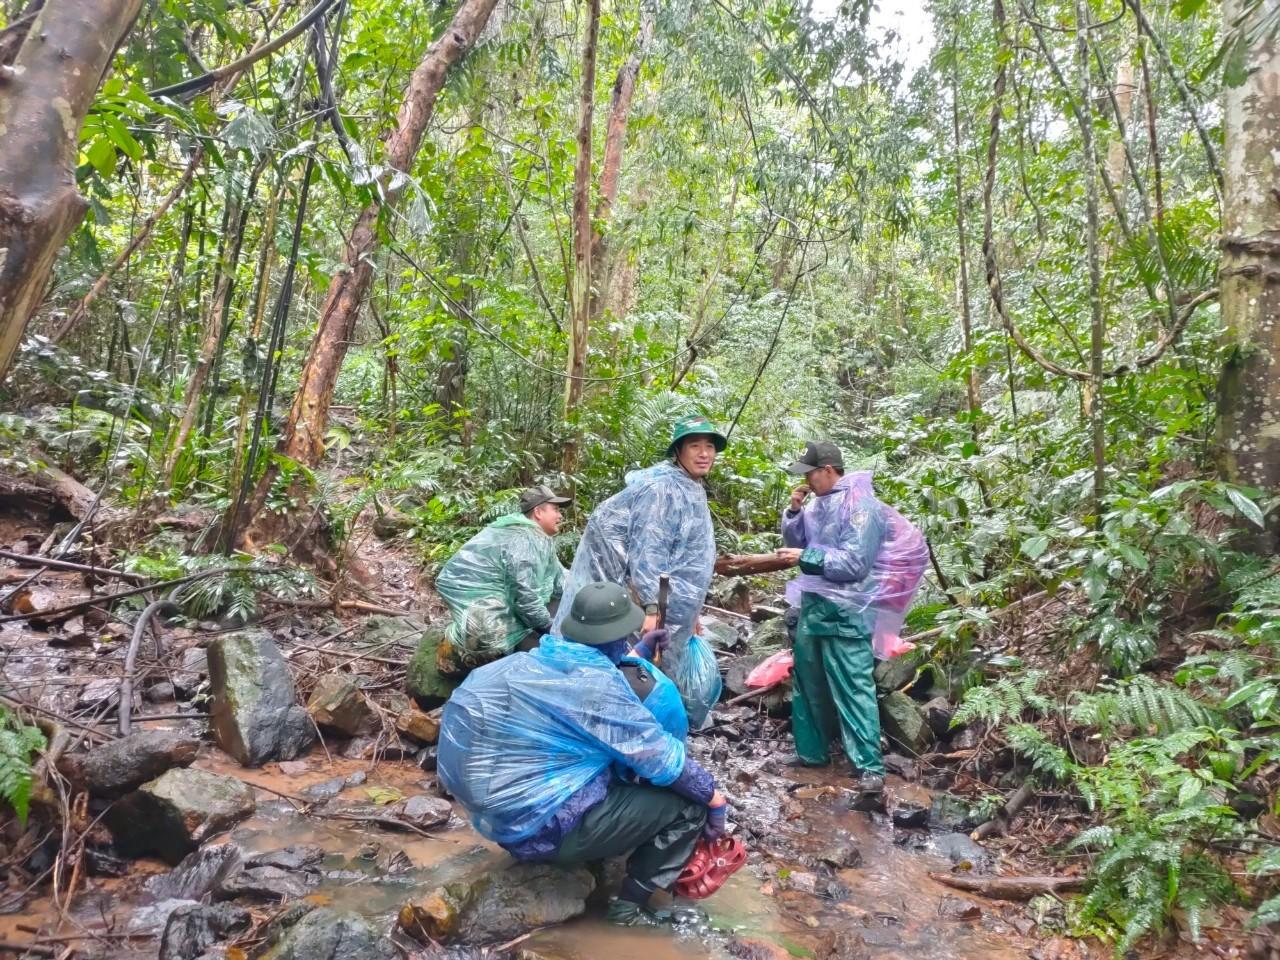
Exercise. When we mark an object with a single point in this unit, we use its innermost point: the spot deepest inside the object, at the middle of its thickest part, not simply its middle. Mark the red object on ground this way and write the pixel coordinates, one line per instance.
(773, 670)
(713, 862)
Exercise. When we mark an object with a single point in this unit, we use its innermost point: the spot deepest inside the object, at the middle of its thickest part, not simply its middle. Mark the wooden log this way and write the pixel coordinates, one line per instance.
(749, 564)
(1009, 888)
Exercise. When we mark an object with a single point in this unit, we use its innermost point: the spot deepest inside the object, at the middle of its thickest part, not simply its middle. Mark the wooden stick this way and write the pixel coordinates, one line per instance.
(1000, 822)
(752, 694)
(1009, 888)
(26, 560)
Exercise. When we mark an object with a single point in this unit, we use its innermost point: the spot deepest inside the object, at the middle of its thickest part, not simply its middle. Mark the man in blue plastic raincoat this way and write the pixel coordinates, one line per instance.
(500, 585)
(836, 540)
(659, 523)
(554, 757)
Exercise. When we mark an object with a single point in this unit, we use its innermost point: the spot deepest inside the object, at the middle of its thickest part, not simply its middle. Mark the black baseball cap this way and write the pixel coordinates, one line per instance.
(817, 453)
(537, 496)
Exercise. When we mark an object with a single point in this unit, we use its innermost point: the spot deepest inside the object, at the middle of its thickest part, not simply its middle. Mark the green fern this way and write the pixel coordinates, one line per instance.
(1150, 705)
(1046, 757)
(18, 743)
(1006, 699)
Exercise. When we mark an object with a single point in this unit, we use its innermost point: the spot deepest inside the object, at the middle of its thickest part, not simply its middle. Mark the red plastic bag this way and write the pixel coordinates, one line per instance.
(770, 671)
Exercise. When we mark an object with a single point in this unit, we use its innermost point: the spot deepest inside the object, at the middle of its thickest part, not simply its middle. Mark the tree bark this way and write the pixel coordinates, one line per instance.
(750, 564)
(1009, 888)
(972, 394)
(583, 241)
(303, 436)
(1248, 428)
(43, 103)
(624, 88)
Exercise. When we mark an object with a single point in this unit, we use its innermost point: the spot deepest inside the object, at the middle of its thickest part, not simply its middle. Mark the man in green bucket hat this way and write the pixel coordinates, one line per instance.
(659, 524)
(555, 757)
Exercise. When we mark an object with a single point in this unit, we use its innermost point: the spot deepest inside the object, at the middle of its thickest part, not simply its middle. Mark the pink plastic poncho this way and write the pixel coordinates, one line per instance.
(844, 522)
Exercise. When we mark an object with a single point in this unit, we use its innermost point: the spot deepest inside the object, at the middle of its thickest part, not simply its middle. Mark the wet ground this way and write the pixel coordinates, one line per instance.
(783, 903)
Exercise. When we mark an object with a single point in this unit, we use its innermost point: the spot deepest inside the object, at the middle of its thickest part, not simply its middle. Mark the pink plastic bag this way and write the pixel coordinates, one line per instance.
(771, 671)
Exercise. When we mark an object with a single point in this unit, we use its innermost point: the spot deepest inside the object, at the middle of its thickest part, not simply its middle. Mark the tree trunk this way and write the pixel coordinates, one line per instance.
(303, 437)
(43, 102)
(966, 316)
(1248, 429)
(624, 88)
(583, 238)
(583, 241)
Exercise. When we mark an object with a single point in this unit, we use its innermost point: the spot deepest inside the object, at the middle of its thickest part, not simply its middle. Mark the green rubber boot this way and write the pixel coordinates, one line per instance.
(627, 913)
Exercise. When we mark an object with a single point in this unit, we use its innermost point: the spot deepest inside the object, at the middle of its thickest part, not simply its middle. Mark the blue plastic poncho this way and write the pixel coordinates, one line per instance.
(872, 558)
(663, 701)
(658, 523)
(498, 585)
(522, 735)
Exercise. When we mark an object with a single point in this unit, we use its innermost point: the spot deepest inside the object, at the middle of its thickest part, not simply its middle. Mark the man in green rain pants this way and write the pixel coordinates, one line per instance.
(835, 540)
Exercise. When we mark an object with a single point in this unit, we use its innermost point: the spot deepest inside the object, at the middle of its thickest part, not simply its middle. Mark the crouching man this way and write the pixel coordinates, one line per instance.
(554, 757)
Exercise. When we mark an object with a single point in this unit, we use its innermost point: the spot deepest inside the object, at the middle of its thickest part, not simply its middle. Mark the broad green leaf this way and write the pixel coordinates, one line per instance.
(1034, 547)
(1246, 508)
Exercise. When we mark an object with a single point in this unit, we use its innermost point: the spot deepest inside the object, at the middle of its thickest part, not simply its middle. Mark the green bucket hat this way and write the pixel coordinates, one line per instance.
(694, 426)
(601, 613)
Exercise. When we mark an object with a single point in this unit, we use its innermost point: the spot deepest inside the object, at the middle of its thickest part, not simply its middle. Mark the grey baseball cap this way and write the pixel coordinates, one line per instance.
(817, 453)
(537, 496)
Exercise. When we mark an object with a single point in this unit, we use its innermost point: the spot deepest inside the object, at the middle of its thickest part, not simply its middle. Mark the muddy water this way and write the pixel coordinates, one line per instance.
(888, 901)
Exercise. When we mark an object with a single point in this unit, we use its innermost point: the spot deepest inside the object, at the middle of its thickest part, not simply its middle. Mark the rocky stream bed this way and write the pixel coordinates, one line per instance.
(275, 797)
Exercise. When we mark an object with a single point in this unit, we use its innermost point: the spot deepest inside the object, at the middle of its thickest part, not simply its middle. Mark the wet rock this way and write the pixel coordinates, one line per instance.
(173, 814)
(293, 768)
(730, 593)
(427, 758)
(719, 634)
(102, 862)
(954, 908)
(375, 748)
(337, 704)
(414, 813)
(255, 715)
(960, 849)
(301, 856)
(323, 934)
(756, 950)
(843, 945)
(967, 738)
(325, 789)
(356, 779)
(901, 766)
(391, 522)
(769, 637)
(423, 680)
(840, 854)
(162, 692)
(419, 725)
(266, 883)
(500, 904)
(894, 673)
(193, 928)
(902, 723)
(99, 695)
(907, 814)
(199, 874)
(115, 768)
(192, 671)
(937, 714)
(152, 919)
(951, 813)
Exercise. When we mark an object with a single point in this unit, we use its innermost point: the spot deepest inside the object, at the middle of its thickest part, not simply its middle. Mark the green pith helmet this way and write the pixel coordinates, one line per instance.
(601, 613)
(696, 426)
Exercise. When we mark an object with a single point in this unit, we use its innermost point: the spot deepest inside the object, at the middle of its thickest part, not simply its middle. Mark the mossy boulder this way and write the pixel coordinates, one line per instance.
(423, 681)
(176, 812)
(255, 715)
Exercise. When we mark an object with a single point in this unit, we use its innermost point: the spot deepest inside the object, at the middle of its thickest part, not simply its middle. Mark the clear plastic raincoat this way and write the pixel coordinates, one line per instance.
(498, 586)
(872, 558)
(658, 523)
(523, 735)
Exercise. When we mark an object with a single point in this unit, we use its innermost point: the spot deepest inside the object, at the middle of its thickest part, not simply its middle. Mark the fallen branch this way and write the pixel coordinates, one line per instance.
(1009, 888)
(749, 564)
(360, 605)
(131, 658)
(999, 824)
(27, 560)
(752, 694)
(109, 597)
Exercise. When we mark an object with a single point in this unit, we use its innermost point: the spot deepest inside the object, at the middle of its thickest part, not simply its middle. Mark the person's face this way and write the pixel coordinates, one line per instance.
(822, 481)
(697, 455)
(547, 516)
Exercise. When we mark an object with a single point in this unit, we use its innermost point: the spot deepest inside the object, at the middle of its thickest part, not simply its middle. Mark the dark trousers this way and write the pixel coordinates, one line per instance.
(659, 828)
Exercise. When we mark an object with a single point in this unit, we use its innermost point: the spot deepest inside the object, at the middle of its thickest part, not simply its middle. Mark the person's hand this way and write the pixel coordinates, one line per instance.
(789, 554)
(653, 642)
(799, 495)
(717, 817)
(650, 623)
